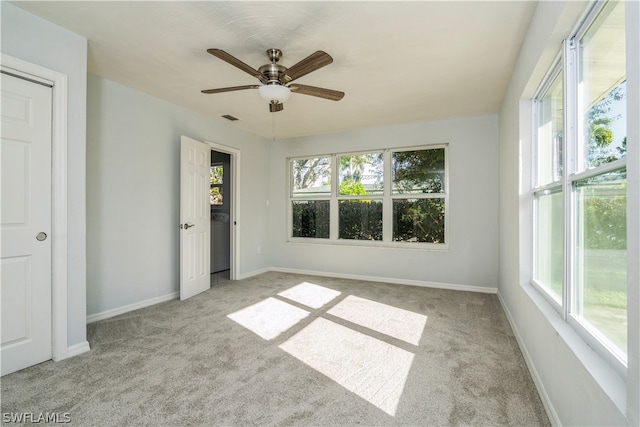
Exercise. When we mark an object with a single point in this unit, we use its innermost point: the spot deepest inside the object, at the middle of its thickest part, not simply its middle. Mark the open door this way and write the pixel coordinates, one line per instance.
(195, 216)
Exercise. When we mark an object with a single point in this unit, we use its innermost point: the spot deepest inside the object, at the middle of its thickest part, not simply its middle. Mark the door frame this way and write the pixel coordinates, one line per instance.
(59, 276)
(234, 272)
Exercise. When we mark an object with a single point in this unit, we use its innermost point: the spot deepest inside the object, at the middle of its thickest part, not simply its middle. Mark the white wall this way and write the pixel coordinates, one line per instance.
(577, 386)
(133, 163)
(32, 39)
(472, 258)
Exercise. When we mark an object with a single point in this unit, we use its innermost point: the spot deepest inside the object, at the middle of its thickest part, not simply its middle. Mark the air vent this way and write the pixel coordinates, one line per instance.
(230, 117)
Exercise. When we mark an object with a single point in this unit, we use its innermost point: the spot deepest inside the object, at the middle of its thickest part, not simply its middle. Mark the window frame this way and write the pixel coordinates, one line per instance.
(575, 169)
(291, 198)
(556, 70)
(345, 197)
(387, 201)
(220, 186)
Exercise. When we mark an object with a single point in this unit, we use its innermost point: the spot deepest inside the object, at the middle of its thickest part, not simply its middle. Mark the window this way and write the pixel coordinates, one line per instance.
(418, 195)
(548, 200)
(379, 196)
(360, 196)
(216, 174)
(599, 185)
(579, 194)
(311, 190)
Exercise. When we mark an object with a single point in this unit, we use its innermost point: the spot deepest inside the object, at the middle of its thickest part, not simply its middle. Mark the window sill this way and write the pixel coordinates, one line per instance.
(426, 247)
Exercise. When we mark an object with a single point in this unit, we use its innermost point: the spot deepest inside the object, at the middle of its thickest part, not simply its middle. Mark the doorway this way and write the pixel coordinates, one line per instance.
(225, 230)
(221, 199)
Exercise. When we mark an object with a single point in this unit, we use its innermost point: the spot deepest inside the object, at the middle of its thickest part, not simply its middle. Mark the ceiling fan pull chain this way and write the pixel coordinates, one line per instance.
(273, 126)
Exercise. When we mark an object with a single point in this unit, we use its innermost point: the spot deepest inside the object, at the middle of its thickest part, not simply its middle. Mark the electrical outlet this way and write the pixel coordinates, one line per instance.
(259, 249)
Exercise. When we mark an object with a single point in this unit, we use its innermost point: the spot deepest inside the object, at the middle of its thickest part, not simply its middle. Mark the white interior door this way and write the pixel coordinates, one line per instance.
(25, 223)
(195, 217)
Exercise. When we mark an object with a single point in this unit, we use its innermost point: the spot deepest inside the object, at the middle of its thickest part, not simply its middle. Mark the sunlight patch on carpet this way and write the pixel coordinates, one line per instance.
(372, 369)
(311, 295)
(392, 321)
(269, 318)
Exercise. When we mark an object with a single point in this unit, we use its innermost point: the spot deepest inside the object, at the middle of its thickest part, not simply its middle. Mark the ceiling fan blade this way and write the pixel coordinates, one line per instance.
(311, 63)
(230, 89)
(221, 54)
(333, 95)
(275, 107)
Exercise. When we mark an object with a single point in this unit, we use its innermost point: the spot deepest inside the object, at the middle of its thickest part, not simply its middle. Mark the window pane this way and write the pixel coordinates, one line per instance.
(311, 218)
(216, 173)
(215, 196)
(311, 177)
(603, 85)
(601, 270)
(550, 133)
(548, 271)
(418, 220)
(361, 174)
(360, 219)
(420, 171)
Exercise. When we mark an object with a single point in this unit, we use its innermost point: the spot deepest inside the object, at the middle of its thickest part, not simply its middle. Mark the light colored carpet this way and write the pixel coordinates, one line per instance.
(286, 349)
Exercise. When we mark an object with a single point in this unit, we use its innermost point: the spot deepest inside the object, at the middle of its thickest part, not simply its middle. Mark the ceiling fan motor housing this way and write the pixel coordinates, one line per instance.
(272, 73)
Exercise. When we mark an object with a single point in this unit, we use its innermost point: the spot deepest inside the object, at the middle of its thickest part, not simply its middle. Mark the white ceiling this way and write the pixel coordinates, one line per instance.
(397, 62)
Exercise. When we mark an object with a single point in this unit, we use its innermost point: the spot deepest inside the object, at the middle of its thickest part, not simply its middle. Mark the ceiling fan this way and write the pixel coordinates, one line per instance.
(277, 79)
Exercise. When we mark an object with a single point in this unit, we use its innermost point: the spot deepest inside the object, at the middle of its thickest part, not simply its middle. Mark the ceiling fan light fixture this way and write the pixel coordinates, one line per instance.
(274, 92)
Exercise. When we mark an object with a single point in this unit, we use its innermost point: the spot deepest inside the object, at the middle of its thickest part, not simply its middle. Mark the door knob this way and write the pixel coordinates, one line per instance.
(186, 226)
(41, 236)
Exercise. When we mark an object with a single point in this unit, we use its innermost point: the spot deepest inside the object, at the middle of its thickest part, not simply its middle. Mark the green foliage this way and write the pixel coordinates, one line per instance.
(600, 133)
(605, 298)
(606, 222)
(360, 220)
(311, 219)
(418, 220)
(351, 188)
(421, 170)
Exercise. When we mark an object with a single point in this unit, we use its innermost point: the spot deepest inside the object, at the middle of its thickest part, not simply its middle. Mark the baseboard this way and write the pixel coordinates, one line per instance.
(253, 273)
(127, 308)
(409, 282)
(542, 392)
(146, 303)
(77, 349)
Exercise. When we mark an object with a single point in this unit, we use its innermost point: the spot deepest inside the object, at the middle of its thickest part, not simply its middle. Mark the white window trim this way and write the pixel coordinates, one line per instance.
(386, 197)
(567, 63)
